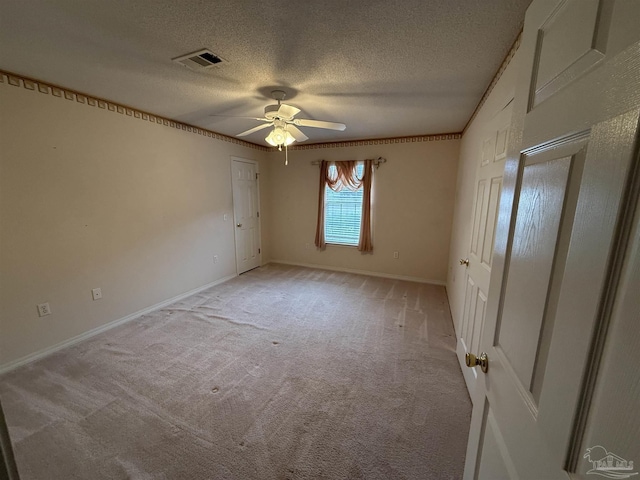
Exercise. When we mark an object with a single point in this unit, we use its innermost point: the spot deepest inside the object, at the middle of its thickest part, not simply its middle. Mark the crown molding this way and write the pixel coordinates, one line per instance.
(96, 102)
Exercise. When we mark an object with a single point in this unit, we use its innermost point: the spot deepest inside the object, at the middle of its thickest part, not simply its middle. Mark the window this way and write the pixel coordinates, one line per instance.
(343, 212)
(344, 204)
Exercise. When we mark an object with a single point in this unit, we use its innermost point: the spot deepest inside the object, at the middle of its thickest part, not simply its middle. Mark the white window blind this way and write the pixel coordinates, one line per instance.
(343, 213)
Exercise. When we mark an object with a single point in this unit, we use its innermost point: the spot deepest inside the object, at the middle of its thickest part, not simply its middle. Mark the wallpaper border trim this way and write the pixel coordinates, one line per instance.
(91, 101)
(378, 141)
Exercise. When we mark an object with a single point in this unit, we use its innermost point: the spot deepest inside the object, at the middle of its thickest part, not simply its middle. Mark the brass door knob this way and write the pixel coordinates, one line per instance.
(464, 261)
(238, 225)
(471, 360)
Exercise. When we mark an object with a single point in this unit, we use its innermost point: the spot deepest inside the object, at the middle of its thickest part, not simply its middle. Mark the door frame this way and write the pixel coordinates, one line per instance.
(235, 158)
(8, 467)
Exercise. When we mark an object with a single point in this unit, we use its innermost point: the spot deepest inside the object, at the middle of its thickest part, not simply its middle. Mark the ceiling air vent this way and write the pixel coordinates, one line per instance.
(199, 60)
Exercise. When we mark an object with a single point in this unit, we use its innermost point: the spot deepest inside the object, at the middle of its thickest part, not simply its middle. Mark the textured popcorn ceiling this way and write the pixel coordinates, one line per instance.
(384, 68)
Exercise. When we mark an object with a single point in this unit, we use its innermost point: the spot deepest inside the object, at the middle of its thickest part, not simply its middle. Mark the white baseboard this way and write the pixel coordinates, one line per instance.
(107, 326)
(362, 272)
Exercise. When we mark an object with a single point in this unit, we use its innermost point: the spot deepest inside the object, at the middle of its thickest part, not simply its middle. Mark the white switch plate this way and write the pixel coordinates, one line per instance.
(225, 217)
(96, 293)
(44, 309)
(396, 255)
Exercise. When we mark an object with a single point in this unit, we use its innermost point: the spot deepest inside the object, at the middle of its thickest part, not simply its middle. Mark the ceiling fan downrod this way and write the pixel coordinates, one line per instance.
(278, 95)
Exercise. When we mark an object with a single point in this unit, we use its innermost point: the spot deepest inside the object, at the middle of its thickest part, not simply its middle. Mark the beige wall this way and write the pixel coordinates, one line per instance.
(92, 198)
(413, 208)
(470, 155)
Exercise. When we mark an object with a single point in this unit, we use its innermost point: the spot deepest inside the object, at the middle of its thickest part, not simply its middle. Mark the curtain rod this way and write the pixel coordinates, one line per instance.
(377, 162)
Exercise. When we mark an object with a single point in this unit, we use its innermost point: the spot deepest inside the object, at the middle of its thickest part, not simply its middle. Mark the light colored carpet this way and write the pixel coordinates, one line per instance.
(282, 373)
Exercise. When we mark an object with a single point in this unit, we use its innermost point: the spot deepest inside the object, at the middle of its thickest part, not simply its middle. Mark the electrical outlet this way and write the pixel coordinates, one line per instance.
(215, 259)
(96, 293)
(44, 309)
(396, 255)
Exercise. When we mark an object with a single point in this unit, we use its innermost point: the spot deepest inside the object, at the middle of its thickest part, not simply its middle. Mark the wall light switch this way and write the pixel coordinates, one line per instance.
(44, 309)
(96, 293)
(215, 259)
(225, 217)
(396, 255)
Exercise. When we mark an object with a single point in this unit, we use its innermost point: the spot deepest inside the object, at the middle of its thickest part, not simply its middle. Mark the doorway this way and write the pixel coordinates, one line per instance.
(246, 213)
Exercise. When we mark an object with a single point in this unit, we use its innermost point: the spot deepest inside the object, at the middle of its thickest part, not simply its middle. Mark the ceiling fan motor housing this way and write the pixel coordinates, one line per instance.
(271, 111)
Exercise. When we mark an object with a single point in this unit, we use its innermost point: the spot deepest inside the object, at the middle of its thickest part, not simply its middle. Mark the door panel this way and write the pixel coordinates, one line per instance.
(246, 216)
(478, 320)
(495, 463)
(475, 309)
(488, 150)
(478, 218)
(490, 225)
(568, 45)
(470, 292)
(570, 170)
(537, 223)
(501, 144)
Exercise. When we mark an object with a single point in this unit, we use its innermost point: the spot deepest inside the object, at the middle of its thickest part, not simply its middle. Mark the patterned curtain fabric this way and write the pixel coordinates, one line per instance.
(366, 243)
(345, 176)
(324, 171)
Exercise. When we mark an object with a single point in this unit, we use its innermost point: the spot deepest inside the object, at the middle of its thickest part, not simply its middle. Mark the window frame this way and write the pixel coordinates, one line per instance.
(328, 192)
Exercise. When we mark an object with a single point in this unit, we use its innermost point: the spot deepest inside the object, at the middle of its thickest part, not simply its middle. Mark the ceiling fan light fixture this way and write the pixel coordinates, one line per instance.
(279, 136)
(285, 129)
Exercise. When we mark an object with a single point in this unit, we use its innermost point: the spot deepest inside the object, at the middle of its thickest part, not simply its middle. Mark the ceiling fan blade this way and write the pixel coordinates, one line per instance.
(301, 122)
(296, 133)
(239, 116)
(254, 129)
(287, 111)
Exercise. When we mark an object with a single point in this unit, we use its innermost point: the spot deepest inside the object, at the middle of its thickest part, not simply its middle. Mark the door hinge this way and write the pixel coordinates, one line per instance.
(258, 214)
(258, 250)
(256, 176)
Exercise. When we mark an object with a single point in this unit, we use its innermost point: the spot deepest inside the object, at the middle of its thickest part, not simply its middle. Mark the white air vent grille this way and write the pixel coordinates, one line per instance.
(200, 60)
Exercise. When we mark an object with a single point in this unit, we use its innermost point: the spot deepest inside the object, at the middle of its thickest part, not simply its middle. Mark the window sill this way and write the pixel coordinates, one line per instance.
(343, 245)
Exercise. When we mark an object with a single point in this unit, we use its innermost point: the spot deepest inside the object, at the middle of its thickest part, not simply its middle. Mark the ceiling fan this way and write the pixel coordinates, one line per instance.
(285, 126)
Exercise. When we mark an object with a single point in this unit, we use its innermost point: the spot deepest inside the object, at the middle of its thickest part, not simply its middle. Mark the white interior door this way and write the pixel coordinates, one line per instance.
(492, 154)
(246, 213)
(570, 186)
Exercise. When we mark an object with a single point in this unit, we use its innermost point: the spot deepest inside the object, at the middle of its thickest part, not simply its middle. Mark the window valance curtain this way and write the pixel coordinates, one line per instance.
(345, 176)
